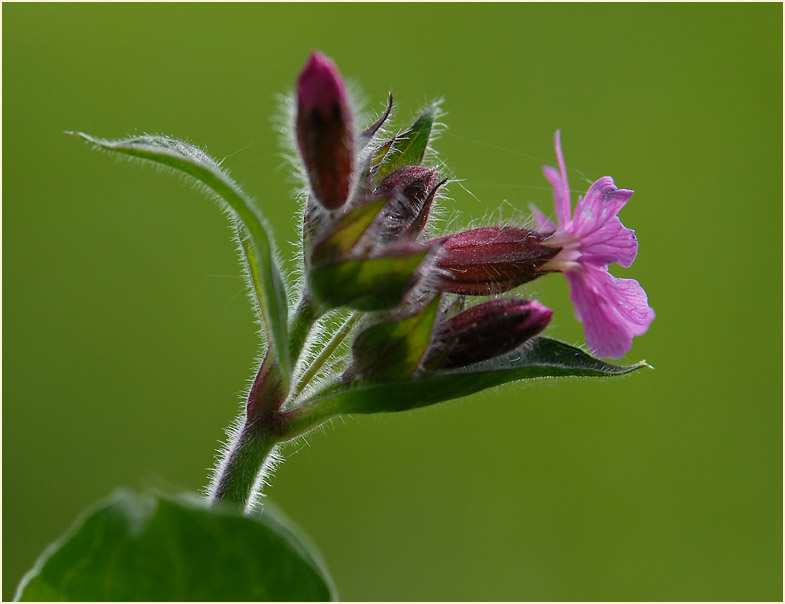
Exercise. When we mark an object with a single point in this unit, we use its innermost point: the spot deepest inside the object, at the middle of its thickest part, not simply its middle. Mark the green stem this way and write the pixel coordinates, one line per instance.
(325, 354)
(252, 452)
(251, 455)
(300, 326)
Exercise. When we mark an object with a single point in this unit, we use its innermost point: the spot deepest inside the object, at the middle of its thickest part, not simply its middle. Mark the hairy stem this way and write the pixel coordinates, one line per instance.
(251, 452)
(325, 354)
(251, 455)
(300, 325)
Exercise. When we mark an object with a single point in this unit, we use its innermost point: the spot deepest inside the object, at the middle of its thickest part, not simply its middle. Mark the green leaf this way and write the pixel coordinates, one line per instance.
(265, 275)
(347, 231)
(367, 283)
(394, 349)
(146, 547)
(538, 358)
(405, 149)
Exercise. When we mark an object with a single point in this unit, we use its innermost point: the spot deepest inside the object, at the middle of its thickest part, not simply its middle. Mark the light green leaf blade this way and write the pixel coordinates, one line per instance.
(405, 149)
(196, 164)
(145, 547)
(393, 349)
(538, 358)
(367, 283)
(346, 232)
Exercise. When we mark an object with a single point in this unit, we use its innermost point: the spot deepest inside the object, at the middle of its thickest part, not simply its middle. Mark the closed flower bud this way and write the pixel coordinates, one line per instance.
(491, 260)
(486, 331)
(410, 192)
(324, 131)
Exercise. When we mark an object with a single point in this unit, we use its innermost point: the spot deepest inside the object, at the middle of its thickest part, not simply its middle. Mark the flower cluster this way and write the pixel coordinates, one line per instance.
(429, 317)
(368, 205)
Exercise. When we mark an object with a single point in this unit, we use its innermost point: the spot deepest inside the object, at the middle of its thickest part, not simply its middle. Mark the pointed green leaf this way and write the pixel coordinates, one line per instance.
(145, 547)
(538, 358)
(366, 283)
(394, 349)
(405, 149)
(195, 163)
(346, 232)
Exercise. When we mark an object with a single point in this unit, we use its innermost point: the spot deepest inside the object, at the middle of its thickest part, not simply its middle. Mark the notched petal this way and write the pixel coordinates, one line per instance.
(600, 205)
(612, 310)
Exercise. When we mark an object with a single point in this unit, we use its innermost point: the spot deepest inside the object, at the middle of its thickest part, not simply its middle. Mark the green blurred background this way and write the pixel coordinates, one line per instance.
(127, 340)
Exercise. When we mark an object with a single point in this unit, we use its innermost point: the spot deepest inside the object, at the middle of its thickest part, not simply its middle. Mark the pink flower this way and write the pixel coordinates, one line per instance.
(612, 310)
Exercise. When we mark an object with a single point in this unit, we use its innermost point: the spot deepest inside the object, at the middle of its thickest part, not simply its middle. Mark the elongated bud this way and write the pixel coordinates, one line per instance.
(393, 350)
(486, 331)
(410, 191)
(491, 260)
(324, 131)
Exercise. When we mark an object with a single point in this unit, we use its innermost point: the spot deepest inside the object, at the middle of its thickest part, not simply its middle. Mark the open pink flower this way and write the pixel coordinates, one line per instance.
(612, 310)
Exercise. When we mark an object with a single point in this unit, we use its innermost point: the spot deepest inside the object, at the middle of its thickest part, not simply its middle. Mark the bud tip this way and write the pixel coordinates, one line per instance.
(320, 85)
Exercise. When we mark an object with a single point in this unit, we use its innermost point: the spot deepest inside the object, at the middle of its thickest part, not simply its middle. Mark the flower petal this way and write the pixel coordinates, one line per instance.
(561, 188)
(543, 223)
(613, 242)
(600, 205)
(612, 310)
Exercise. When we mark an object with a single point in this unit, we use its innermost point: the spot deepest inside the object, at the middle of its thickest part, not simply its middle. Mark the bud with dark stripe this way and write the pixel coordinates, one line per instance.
(491, 260)
(410, 192)
(324, 131)
(486, 331)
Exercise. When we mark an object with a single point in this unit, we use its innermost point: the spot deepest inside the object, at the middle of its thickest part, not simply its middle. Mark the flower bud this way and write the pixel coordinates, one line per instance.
(491, 260)
(324, 131)
(486, 331)
(410, 191)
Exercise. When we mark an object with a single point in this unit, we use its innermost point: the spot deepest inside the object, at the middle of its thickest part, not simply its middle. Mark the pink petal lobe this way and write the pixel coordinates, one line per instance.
(613, 242)
(612, 310)
(600, 204)
(542, 221)
(561, 188)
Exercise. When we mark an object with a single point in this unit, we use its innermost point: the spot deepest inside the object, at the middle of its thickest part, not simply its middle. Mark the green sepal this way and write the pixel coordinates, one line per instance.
(406, 148)
(346, 231)
(366, 283)
(266, 278)
(538, 358)
(393, 350)
(153, 547)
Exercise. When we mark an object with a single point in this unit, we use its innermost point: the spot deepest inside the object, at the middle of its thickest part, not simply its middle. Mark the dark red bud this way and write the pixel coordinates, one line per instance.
(324, 130)
(491, 260)
(410, 191)
(486, 331)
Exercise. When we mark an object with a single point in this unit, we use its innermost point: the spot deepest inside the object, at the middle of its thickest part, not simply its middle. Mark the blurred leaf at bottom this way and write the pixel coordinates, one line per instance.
(156, 547)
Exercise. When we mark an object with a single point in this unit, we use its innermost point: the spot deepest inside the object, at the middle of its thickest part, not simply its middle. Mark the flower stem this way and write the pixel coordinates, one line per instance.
(300, 325)
(322, 357)
(252, 451)
(250, 457)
